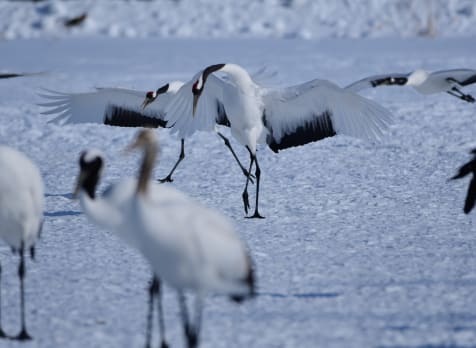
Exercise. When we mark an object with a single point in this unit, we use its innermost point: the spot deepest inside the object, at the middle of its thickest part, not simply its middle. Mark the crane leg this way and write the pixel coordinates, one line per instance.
(168, 178)
(152, 291)
(23, 335)
(459, 94)
(189, 331)
(2, 333)
(246, 201)
(256, 214)
(198, 317)
(163, 341)
(228, 145)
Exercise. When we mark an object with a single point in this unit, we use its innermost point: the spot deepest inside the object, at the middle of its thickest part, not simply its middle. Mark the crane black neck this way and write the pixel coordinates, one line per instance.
(162, 90)
(211, 69)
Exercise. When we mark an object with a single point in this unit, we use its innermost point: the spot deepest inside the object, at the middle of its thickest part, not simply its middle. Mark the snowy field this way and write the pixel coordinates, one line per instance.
(307, 19)
(364, 244)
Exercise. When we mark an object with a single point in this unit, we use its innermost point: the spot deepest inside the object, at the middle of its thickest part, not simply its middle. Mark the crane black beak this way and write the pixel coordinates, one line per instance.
(195, 103)
(146, 102)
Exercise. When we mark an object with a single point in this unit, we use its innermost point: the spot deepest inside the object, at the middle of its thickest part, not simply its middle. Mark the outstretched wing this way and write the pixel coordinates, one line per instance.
(318, 109)
(378, 80)
(210, 110)
(463, 77)
(112, 106)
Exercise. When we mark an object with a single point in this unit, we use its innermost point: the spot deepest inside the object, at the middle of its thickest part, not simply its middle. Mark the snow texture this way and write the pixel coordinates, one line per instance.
(245, 18)
(364, 244)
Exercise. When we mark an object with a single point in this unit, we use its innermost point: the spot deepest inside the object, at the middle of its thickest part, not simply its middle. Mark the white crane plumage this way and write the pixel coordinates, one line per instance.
(21, 214)
(188, 245)
(449, 81)
(109, 211)
(280, 117)
(124, 108)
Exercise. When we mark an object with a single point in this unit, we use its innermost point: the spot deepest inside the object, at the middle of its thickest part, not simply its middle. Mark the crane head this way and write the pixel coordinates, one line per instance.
(197, 87)
(152, 95)
(149, 98)
(91, 163)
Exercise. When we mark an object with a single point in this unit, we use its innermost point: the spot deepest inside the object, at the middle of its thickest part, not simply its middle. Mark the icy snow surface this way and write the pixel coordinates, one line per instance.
(243, 18)
(364, 245)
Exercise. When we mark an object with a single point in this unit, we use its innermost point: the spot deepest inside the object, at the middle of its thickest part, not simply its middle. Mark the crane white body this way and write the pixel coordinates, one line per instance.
(255, 112)
(189, 246)
(21, 199)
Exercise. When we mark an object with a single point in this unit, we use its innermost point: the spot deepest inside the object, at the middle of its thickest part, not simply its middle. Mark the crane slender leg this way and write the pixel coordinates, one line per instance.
(168, 178)
(189, 331)
(246, 201)
(459, 94)
(2, 333)
(23, 335)
(163, 341)
(152, 292)
(256, 215)
(228, 145)
(198, 316)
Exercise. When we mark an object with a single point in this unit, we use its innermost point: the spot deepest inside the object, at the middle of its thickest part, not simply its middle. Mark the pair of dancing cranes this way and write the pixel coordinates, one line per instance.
(278, 117)
(281, 118)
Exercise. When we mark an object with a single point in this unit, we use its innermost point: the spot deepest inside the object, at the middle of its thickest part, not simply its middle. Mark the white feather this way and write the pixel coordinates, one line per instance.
(21, 199)
(91, 107)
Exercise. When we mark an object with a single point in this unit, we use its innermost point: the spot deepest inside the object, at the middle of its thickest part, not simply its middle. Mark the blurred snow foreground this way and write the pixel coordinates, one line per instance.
(247, 18)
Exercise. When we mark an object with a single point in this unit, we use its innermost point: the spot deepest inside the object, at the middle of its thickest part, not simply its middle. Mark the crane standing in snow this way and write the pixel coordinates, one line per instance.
(280, 117)
(109, 211)
(189, 246)
(21, 215)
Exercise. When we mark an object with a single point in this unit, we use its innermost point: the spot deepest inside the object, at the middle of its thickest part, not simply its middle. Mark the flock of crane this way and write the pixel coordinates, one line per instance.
(188, 246)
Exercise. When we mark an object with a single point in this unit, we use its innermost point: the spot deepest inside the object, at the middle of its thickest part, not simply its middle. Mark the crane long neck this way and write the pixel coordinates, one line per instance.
(97, 209)
(237, 74)
(150, 154)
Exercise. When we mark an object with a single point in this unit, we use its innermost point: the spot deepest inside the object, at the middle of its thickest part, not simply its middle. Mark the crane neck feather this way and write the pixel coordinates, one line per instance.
(98, 210)
(150, 154)
(237, 74)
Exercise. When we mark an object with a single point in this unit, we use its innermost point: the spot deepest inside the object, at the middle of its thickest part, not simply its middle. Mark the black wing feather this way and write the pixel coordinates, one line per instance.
(122, 117)
(318, 128)
(468, 81)
(222, 118)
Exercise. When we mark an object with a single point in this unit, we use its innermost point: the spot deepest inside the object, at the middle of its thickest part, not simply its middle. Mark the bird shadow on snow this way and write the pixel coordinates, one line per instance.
(62, 213)
(64, 195)
(305, 295)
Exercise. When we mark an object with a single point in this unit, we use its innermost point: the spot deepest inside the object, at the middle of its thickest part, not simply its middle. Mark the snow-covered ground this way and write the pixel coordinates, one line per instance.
(364, 245)
(244, 18)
